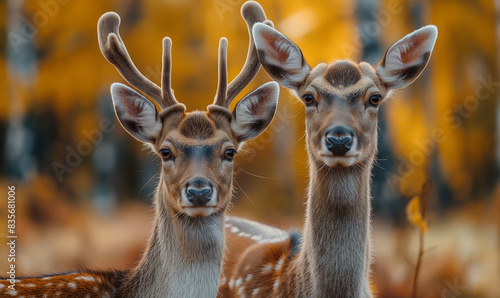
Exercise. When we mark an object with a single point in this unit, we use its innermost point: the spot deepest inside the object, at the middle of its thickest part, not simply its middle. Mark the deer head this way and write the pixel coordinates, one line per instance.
(196, 148)
(342, 99)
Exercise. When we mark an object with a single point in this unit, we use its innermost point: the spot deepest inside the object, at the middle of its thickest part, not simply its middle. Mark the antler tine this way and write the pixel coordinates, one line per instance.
(252, 12)
(114, 50)
(221, 95)
(166, 89)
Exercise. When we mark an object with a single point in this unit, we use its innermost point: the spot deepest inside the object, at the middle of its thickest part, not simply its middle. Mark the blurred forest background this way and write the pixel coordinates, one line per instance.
(84, 186)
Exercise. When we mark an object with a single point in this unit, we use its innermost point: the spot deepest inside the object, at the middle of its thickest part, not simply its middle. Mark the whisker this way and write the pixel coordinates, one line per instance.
(241, 188)
(148, 181)
(259, 176)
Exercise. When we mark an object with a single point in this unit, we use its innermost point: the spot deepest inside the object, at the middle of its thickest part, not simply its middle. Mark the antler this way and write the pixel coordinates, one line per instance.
(252, 12)
(114, 50)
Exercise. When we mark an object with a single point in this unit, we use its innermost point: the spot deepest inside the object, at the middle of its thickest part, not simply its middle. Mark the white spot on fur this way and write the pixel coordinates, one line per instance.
(255, 291)
(13, 293)
(106, 295)
(267, 268)
(1, 286)
(259, 239)
(231, 283)
(48, 284)
(72, 285)
(238, 282)
(249, 277)
(279, 264)
(276, 284)
(85, 277)
(223, 281)
(47, 277)
(29, 285)
(243, 234)
(235, 230)
(240, 291)
(99, 280)
(256, 238)
(95, 289)
(274, 240)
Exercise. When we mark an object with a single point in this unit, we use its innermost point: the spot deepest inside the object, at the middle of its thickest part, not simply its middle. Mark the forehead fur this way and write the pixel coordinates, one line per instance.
(197, 125)
(342, 74)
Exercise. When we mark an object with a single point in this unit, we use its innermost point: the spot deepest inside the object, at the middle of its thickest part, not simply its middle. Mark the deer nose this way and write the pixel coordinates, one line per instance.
(199, 197)
(338, 140)
(199, 192)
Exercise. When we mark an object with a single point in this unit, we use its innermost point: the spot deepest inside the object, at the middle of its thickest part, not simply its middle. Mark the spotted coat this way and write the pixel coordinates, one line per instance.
(74, 284)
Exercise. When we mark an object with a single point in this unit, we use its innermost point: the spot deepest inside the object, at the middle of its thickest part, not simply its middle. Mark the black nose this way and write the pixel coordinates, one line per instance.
(338, 140)
(198, 192)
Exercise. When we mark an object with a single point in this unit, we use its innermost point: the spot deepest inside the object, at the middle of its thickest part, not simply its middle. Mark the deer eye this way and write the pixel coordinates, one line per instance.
(308, 99)
(166, 154)
(375, 100)
(229, 154)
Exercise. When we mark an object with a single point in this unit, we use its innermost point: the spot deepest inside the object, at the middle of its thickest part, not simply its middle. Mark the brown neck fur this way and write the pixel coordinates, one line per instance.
(335, 255)
(183, 257)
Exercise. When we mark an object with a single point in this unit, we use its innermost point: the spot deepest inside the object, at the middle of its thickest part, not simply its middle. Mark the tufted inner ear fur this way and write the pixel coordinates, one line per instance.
(406, 59)
(136, 113)
(253, 114)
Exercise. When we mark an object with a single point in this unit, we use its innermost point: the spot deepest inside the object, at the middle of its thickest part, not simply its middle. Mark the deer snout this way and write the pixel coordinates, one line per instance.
(199, 192)
(339, 140)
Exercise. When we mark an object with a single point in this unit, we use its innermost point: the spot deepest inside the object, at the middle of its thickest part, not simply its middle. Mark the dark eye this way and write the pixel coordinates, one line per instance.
(308, 99)
(229, 154)
(166, 154)
(375, 100)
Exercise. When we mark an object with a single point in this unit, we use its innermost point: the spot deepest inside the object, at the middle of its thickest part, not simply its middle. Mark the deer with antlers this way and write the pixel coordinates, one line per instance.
(341, 99)
(184, 254)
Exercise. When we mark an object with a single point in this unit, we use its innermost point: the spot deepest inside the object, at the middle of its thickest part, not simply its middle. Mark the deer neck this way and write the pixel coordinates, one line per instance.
(183, 257)
(336, 252)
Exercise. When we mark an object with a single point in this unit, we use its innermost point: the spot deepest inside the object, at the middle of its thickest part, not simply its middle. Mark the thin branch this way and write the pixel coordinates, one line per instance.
(421, 243)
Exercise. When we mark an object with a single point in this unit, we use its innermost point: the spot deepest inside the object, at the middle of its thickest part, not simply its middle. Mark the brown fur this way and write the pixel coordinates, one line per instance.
(342, 74)
(197, 127)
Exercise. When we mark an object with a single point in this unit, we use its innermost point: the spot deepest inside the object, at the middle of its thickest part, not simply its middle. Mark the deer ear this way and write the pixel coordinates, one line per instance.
(280, 57)
(406, 59)
(253, 114)
(136, 113)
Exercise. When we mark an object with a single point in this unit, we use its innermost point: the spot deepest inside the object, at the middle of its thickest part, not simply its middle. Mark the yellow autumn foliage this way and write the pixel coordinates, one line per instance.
(414, 214)
(71, 79)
